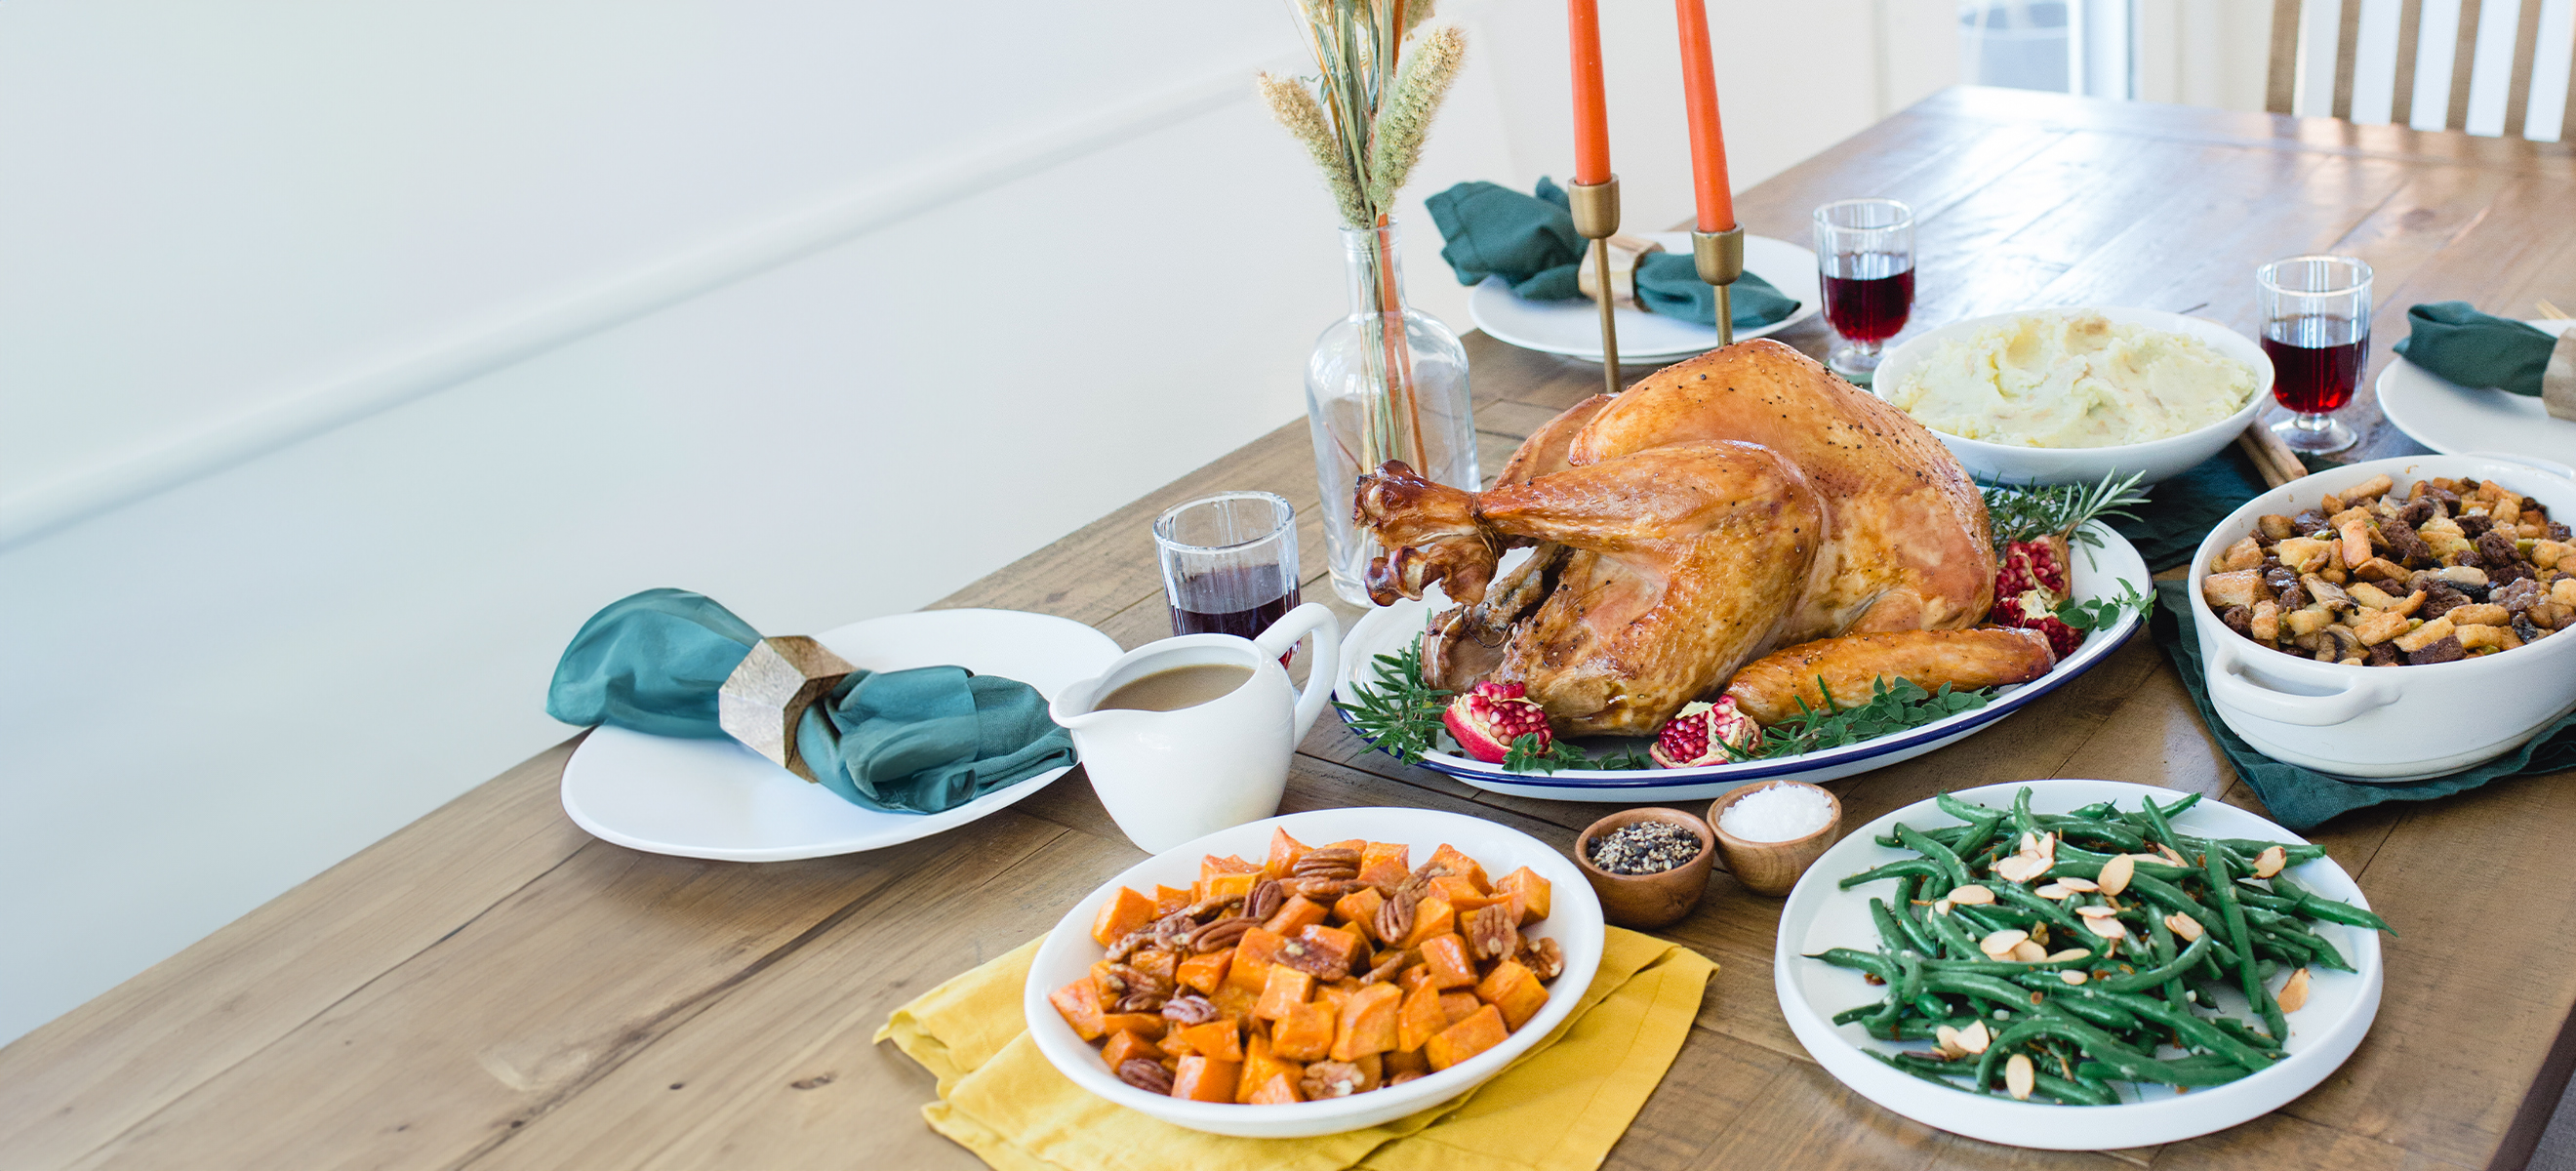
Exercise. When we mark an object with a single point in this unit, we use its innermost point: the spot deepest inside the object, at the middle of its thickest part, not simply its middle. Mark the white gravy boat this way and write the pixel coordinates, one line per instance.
(1168, 777)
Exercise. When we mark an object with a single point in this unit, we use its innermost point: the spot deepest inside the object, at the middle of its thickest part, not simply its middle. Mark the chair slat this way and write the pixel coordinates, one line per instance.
(2526, 45)
(2410, 36)
(2347, 48)
(2280, 82)
(2464, 63)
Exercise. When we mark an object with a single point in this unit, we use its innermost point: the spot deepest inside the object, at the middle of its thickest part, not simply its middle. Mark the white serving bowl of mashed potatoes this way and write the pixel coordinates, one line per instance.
(2062, 396)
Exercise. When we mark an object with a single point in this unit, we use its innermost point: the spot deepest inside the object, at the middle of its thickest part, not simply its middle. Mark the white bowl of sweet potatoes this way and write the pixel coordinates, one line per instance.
(1327, 990)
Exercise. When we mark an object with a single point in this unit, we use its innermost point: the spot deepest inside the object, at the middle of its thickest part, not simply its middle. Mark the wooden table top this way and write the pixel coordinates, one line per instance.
(492, 988)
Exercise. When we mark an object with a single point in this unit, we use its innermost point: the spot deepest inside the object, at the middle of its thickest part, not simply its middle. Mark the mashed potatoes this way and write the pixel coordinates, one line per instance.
(2072, 380)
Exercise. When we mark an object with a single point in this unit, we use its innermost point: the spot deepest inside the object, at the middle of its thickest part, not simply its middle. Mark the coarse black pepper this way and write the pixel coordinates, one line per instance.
(1644, 847)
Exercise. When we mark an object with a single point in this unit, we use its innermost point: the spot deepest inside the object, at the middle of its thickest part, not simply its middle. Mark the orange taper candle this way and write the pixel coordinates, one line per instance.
(1708, 139)
(1591, 116)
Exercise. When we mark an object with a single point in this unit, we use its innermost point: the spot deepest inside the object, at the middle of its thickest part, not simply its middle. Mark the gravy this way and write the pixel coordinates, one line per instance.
(1176, 688)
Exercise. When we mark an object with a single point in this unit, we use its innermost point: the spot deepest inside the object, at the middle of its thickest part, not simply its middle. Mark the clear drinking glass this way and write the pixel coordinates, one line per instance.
(1865, 250)
(1229, 563)
(2316, 330)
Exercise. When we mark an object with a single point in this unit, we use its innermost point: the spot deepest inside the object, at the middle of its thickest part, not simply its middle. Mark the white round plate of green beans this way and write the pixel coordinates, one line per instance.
(2059, 964)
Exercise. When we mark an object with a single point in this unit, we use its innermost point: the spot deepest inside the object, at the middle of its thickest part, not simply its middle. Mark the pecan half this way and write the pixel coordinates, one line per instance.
(1395, 915)
(1206, 907)
(1146, 1002)
(1296, 954)
(1220, 935)
(1146, 1075)
(1126, 979)
(1388, 967)
(1264, 901)
(1189, 1008)
(1329, 862)
(1327, 890)
(1328, 1079)
(1493, 932)
(1543, 958)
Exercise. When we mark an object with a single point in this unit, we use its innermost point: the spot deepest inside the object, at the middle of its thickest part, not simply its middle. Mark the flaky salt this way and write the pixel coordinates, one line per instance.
(1777, 813)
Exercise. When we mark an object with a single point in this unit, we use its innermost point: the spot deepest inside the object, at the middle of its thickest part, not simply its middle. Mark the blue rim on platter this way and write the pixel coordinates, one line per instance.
(2097, 574)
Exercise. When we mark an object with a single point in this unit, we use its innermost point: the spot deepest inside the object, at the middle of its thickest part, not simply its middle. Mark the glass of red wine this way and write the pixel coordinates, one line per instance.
(1229, 563)
(1865, 249)
(2316, 330)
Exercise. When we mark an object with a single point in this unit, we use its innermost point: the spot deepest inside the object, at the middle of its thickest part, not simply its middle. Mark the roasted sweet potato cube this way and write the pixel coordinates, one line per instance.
(1459, 1005)
(1359, 910)
(1335, 949)
(1531, 891)
(1461, 894)
(1513, 989)
(1079, 1004)
(1144, 1024)
(1260, 1065)
(1124, 912)
(1155, 961)
(1286, 989)
(1284, 853)
(1446, 956)
(1219, 1038)
(1206, 1079)
(1449, 861)
(1367, 1023)
(1419, 1019)
(1253, 955)
(1432, 916)
(1210, 866)
(1306, 1033)
(1336, 993)
(1354, 845)
(1123, 1045)
(1482, 1030)
(1280, 1089)
(1235, 1003)
(1229, 885)
(1168, 899)
(1386, 863)
(1295, 915)
(1412, 978)
(1204, 972)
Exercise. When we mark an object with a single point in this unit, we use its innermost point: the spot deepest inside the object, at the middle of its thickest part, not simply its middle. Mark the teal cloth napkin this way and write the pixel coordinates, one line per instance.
(2299, 798)
(2471, 348)
(916, 741)
(1529, 240)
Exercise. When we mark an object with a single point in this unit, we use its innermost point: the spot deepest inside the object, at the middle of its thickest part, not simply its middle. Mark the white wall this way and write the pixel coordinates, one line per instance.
(351, 354)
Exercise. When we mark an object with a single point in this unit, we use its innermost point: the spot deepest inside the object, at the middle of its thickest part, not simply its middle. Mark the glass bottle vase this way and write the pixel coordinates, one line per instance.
(1386, 382)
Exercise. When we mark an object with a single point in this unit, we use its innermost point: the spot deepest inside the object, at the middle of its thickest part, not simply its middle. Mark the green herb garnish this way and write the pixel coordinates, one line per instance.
(1894, 708)
(2102, 614)
(2028, 512)
(1400, 713)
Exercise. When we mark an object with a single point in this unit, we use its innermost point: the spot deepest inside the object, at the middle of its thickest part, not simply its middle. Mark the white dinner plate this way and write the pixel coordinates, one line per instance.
(1573, 327)
(718, 799)
(1820, 915)
(2097, 574)
(2462, 420)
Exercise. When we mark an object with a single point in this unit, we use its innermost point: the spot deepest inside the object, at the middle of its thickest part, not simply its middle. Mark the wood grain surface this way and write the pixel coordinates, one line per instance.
(491, 988)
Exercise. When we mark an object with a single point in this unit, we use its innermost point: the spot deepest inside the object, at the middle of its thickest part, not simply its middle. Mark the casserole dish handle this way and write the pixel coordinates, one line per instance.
(2551, 466)
(2228, 685)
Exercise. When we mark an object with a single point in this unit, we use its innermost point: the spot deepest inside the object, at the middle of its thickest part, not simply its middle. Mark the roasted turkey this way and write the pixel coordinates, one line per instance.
(1738, 502)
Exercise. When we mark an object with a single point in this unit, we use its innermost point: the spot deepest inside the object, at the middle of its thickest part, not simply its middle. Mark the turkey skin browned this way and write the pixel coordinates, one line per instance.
(1741, 501)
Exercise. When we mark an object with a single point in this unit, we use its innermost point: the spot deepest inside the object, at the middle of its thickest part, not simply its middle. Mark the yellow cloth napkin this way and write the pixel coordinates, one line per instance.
(1559, 1108)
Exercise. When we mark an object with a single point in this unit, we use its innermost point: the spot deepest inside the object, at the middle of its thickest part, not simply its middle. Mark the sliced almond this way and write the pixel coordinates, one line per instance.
(1972, 895)
(2294, 994)
(2078, 885)
(2107, 928)
(2001, 943)
(2116, 874)
(2019, 1077)
(2184, 926)
(1941, 906)
(1975, 1038)
(2054, 891)
(2270, 861)
(1948, 1039)
(2171, 857)
(2072, 976)
(2029, 844)
(2072, 953)
(2022, 867)
(2029, 953)
(2097, 912)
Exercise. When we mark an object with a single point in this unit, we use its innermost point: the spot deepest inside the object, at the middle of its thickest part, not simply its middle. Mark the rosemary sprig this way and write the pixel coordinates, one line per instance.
(2028, 512)
(1400, 713)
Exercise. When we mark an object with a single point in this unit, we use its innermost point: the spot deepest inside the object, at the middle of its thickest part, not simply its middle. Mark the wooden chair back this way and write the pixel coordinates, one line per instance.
(2282, 78)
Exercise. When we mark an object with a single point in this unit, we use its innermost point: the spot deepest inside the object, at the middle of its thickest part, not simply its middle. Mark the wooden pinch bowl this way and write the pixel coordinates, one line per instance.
(1647, 900)
(1771, 868)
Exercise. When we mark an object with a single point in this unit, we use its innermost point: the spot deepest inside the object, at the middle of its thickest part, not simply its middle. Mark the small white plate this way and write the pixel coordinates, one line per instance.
(2462, 420)
(2096, 576)
(1573, 327)
(1820, 915)
(718, 799)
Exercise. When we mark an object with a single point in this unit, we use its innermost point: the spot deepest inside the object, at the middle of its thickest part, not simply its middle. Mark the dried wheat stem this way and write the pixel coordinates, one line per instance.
(1295, 108)
(1406, 118)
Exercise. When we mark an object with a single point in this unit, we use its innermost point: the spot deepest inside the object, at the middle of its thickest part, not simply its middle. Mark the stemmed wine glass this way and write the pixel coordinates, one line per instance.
(1865, 251)
(2316, 330)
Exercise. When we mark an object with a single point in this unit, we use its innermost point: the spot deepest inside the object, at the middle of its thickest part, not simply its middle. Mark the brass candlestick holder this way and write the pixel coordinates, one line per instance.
(1596, 218)
(1721, 260)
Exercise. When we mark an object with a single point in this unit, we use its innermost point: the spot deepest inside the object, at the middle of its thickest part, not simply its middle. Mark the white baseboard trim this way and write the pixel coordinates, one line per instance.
(302, 413)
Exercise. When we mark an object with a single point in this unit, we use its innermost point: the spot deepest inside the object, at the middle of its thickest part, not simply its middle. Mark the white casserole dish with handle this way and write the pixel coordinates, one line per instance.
(2385, 724)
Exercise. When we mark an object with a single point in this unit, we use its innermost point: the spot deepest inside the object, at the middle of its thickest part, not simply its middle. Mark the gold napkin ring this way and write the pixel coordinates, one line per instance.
(762, 701)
